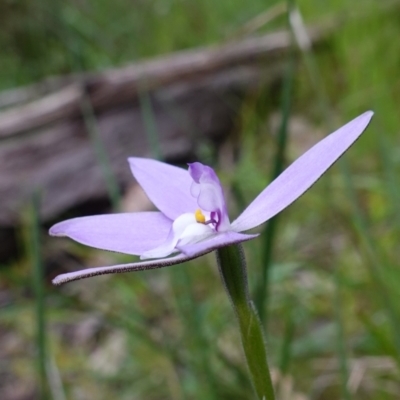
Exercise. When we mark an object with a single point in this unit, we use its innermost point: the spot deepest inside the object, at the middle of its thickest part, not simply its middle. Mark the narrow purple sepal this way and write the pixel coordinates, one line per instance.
(129, 233)
(301, 175)
(168, 187)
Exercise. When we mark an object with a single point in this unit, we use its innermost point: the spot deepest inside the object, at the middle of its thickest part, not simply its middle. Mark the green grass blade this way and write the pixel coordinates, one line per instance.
(269, 234)
(150, 124)
(38, 286)
(54, 379)
(288, 336)
(340, 338)
(101, 153)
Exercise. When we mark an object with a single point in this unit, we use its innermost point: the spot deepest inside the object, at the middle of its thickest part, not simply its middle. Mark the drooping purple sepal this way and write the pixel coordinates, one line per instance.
(191, 252)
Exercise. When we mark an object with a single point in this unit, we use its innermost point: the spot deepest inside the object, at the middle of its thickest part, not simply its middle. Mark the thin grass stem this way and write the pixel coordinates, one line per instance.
(149, 120)
(288, 335)
(101, 153)
(194, 332)
(38, 277)
(54, 379)
(269, 234)
(340, 338)
(77, 60)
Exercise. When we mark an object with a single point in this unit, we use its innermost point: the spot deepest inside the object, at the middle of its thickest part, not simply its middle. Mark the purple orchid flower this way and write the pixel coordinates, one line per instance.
(193, 218)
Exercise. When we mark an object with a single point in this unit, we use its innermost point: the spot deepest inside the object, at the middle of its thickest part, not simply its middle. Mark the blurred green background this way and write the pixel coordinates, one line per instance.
(333, 328)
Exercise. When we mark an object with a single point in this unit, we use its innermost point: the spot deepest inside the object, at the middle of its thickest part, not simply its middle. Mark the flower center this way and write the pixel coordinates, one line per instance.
(208, 220)
(186, 229)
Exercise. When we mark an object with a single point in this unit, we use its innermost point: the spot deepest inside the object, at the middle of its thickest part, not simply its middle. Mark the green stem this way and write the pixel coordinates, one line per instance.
(232, 267)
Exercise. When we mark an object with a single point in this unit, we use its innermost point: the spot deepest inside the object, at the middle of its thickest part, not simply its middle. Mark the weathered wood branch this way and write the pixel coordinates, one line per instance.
(194, 97)
(119, 85)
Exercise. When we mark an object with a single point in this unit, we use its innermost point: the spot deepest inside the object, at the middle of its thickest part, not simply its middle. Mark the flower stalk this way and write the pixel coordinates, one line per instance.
(232, 267)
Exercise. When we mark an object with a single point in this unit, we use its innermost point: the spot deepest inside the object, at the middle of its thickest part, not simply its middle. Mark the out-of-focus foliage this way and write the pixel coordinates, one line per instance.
(170, 333)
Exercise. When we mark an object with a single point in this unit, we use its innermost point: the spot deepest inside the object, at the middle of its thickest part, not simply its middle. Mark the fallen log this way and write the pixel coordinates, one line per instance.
(192, 97)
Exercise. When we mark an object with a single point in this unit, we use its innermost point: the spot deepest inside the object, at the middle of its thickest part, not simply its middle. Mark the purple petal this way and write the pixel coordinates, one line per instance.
(220, 240)
(207, 188)
(168, 187)
(132, 233)
(301, 175)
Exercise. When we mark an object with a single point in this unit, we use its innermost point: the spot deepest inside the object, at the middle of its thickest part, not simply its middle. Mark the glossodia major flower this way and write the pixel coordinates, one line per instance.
(193, 219)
